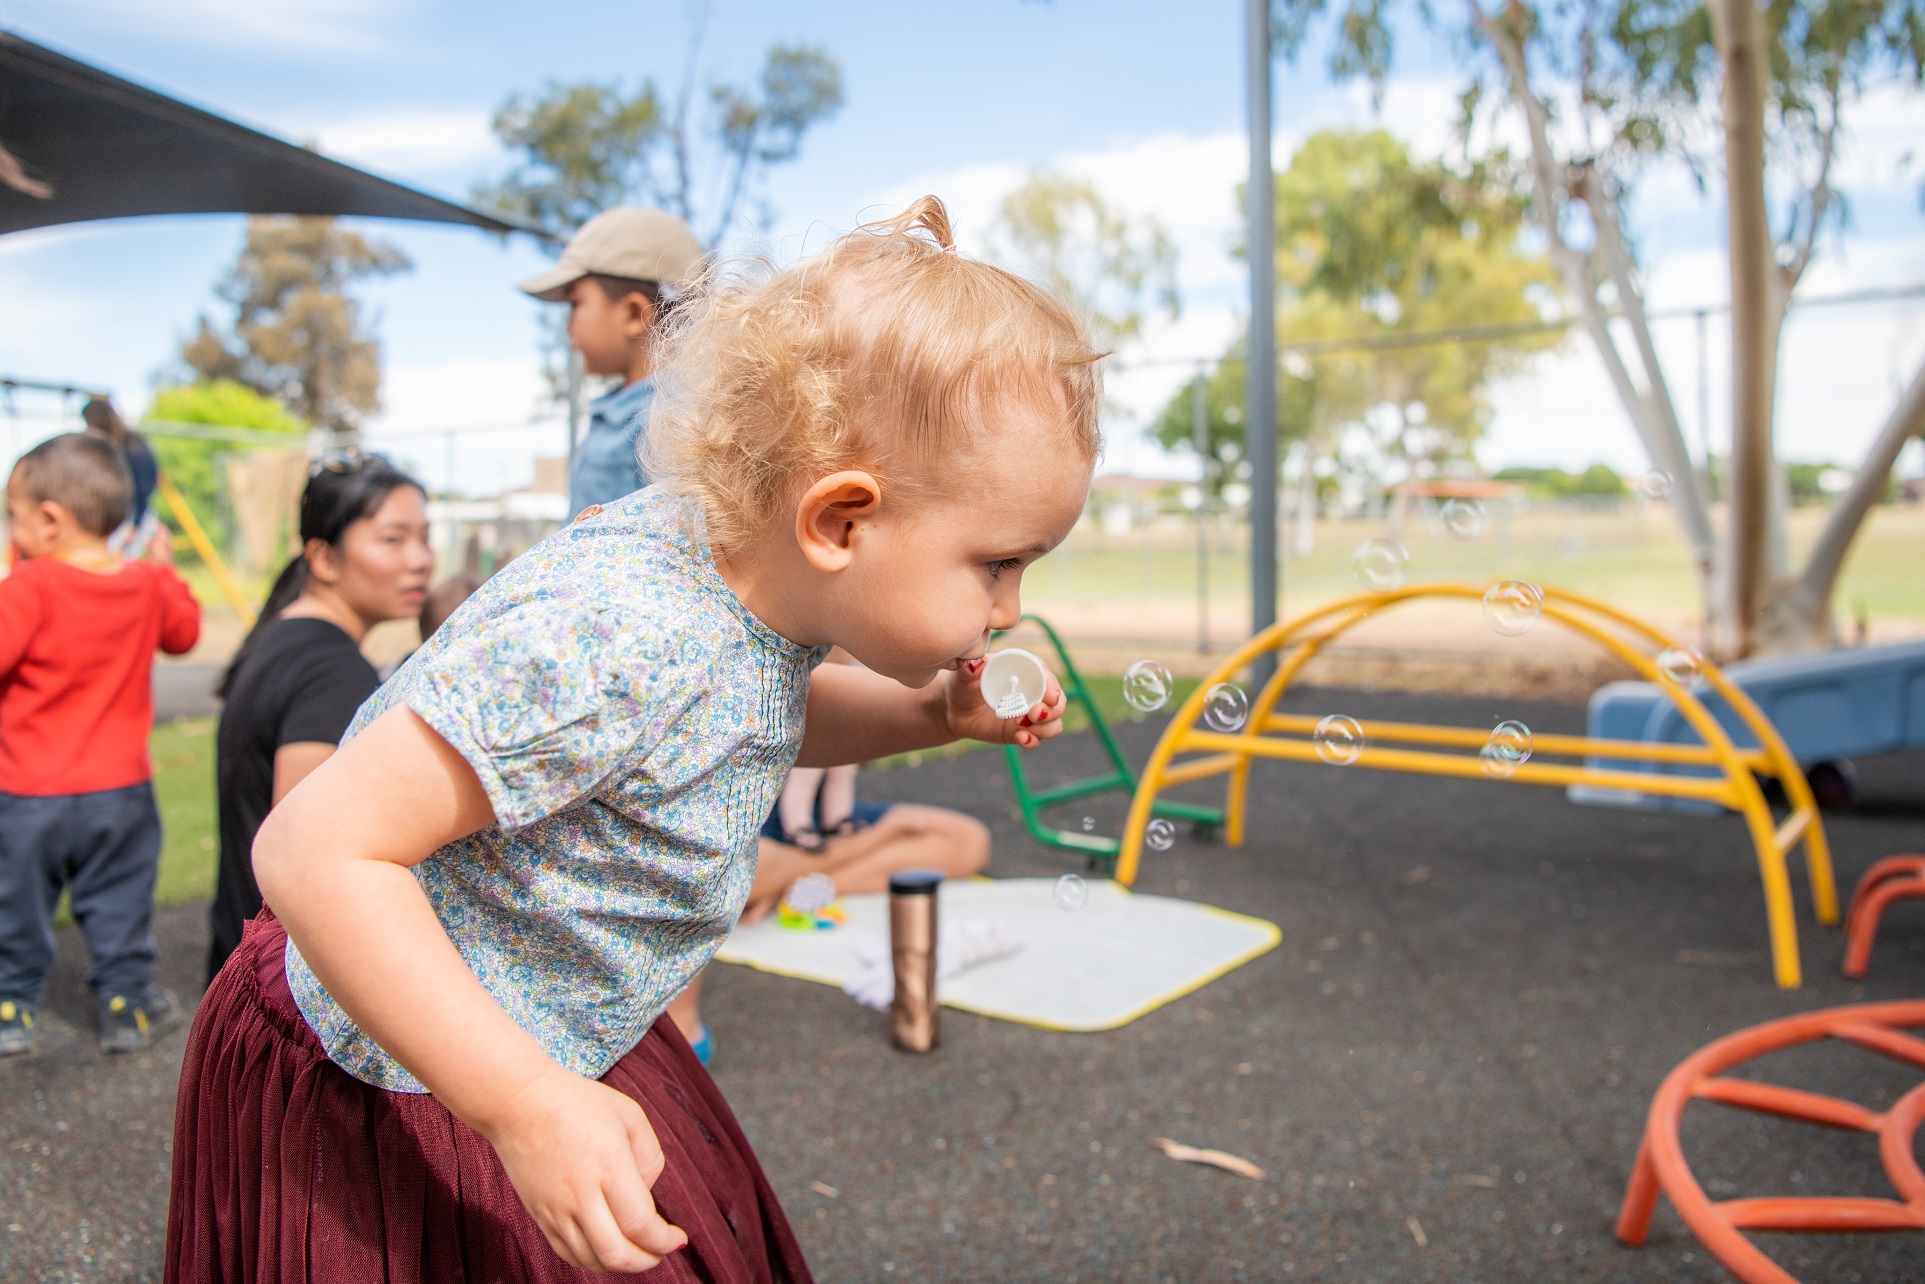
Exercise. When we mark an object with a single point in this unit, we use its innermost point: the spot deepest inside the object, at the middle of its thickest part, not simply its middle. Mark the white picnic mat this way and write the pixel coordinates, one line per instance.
(1095, 968)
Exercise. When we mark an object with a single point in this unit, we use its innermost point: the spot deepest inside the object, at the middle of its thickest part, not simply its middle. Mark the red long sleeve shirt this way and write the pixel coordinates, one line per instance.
(76, 672)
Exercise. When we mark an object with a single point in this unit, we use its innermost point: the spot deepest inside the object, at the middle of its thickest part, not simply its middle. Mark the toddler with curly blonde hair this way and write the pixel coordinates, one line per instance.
(442, 1041)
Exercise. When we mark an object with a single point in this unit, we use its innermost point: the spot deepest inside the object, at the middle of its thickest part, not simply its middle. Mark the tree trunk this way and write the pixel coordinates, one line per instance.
(1651, 412)
(1799, 617)
(1740, 31)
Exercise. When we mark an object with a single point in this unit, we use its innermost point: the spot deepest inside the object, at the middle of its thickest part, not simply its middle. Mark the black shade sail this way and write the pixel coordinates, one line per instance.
(108, 148)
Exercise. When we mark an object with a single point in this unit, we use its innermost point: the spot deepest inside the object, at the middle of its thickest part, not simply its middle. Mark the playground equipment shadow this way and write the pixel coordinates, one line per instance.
(1444, 1068)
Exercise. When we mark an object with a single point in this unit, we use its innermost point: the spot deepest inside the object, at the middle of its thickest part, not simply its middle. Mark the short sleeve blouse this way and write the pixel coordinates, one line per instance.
(632, 723)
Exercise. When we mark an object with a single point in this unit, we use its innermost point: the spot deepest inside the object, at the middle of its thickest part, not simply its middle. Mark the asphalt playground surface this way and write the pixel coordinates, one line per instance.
(1444, 1067)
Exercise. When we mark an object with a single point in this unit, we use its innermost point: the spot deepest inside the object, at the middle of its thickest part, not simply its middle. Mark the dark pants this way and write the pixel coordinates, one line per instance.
(104, 848)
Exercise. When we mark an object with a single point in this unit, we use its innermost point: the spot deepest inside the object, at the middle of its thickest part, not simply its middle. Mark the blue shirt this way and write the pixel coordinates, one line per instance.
(632, 723)
(605, 467)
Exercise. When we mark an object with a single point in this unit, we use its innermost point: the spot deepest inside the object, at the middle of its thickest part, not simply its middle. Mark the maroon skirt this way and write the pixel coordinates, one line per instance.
(287, 1168)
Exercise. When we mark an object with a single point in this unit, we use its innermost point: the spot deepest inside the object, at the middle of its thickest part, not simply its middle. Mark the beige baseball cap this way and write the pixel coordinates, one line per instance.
(644, 244)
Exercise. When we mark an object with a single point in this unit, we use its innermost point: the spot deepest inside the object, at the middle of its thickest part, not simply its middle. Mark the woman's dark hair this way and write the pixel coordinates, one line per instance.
(340, 492)
(100, 417)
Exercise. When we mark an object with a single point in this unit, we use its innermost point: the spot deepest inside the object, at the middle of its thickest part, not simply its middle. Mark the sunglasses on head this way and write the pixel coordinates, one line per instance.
(348, 459)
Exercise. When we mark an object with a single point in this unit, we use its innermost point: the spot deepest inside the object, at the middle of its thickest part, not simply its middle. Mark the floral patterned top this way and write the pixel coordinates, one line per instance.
(632, 724)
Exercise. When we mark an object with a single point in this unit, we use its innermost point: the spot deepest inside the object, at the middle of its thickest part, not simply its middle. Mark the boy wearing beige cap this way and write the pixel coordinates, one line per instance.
(618, 276)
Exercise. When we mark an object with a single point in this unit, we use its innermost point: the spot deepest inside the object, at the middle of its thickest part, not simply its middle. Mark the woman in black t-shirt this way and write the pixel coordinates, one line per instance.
(299, 676)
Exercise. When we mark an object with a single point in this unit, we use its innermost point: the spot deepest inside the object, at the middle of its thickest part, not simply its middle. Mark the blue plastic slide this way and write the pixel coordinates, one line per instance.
(1830, 707)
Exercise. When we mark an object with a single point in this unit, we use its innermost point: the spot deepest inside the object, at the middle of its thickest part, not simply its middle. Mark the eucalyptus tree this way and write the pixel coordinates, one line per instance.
(1119, 269)
(583, 147)
(1744, 93)
(298, 334)
(1374, 246)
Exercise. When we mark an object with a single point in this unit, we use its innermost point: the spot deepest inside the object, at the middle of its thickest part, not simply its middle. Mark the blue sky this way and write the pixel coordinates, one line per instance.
(1147, 99)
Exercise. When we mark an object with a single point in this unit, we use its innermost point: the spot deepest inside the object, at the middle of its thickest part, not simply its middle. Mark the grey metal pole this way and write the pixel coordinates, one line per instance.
(1200, 428)
(574, 407)
(1260, 414)
(1704, 406)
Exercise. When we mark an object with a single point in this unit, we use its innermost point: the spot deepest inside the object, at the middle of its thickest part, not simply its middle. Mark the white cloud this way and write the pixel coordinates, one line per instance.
(409, 141)
(1841, 366)
(485, 419)
(331, 25)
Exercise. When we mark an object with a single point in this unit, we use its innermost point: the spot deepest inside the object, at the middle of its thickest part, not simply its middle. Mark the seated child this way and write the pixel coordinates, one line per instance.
(78, 630)
(442, 1041)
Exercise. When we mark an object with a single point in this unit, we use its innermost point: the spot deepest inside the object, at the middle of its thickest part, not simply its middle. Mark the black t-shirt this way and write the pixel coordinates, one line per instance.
(304, 681)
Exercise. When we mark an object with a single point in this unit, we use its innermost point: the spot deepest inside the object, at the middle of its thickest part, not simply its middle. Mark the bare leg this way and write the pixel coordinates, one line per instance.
(838, 796)
(796, 808)
(907, 837)
(686, 1011)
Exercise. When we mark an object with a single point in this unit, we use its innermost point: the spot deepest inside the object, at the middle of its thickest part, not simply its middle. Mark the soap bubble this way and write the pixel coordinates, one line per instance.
(1225, 707)
(1339, 740)
(1161, 835)
(1380, 563)
(811, 893)
(1655, 484)
(1072, 893)
(1495, 765)
(1146, 685)
(1508, 747)
(1682, 665)
(1513, 607)
(1464, 518)
(1089, 823)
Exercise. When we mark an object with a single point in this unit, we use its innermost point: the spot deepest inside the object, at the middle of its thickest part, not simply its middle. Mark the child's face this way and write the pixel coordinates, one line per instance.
(606, 332)
(925, 588)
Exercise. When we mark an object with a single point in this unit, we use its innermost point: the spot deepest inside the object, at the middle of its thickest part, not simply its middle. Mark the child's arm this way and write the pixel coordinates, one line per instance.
(333, 861)
(180, 614)
(22, 610)
(856, 715)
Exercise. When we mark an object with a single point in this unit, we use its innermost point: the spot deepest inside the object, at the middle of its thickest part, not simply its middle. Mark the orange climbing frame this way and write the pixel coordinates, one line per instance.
(1896, 878)
(1701, 1077)
(1269, 734)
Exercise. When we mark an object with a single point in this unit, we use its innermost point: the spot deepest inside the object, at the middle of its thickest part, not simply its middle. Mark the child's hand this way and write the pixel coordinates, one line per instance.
(582, 1157)
(971, 718)
(160, 546)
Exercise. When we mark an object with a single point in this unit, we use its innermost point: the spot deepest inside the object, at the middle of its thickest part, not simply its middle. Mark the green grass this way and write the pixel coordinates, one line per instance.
(183, 754)
(1634, 557)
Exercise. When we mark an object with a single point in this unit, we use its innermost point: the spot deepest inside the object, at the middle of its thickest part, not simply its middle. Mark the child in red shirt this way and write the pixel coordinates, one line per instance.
(78, 629)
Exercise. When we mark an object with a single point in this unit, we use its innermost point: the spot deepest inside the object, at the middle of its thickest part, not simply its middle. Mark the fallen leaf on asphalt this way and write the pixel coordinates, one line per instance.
(1229, 1163)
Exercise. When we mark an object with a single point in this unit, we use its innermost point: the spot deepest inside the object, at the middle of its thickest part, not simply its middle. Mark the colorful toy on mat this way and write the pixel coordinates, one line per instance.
(811, 905)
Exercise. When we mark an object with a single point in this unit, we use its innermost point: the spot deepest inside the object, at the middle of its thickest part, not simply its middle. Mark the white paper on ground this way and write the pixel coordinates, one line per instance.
(1120, 956)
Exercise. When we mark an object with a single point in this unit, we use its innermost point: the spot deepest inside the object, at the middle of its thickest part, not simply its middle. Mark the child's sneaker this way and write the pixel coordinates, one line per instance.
(16, 1028)
(128, 1026)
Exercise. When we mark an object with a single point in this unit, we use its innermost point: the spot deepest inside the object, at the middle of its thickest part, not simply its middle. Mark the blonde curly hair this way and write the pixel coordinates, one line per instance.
(886, 351)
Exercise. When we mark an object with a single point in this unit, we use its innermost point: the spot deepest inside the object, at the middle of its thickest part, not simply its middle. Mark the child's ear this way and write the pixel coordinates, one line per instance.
(830, 517)
(638, 316)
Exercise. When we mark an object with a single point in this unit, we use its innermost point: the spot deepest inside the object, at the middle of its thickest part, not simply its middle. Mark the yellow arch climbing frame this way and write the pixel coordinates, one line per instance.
(1269, 734)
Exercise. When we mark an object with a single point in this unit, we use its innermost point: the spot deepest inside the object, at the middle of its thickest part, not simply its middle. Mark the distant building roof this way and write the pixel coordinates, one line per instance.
(1461, 488)
(109, 148)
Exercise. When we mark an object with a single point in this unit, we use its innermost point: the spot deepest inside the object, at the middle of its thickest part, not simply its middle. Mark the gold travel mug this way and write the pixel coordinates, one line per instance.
(912, 944)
